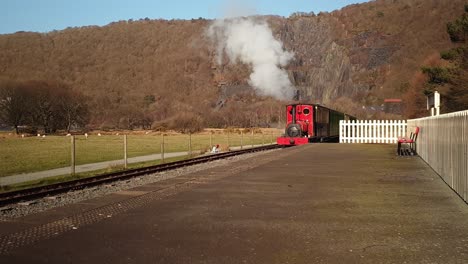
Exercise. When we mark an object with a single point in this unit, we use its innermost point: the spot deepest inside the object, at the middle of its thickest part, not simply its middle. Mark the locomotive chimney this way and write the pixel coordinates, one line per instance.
(293, 113)
(297, 95)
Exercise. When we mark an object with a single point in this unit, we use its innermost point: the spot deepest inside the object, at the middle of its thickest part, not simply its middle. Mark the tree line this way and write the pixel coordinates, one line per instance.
(447, 74)
(50, 106)
(47, 106)
(451, 80)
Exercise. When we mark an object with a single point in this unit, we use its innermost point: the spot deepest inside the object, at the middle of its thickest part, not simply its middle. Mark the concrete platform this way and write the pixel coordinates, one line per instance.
(320, 203)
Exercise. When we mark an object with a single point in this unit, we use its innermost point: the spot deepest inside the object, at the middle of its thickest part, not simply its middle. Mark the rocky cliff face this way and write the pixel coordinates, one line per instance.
(322, 68)
(366, 52)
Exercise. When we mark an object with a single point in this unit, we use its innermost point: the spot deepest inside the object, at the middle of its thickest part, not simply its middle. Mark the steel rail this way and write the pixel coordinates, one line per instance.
(29, 194)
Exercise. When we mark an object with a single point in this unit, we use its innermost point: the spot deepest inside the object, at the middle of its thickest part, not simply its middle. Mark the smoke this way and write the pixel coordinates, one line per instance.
(250, 40)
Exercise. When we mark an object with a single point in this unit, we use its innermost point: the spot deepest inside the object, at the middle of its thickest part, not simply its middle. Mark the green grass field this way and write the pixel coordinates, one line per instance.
(30, 154)
(66, 178)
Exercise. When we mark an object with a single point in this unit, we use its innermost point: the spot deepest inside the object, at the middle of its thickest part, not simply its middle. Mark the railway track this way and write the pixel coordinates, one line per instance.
(54, 189)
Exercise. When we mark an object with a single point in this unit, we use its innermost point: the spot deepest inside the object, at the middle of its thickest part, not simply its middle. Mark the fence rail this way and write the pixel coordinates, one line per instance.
(443, 144)
(371, 131)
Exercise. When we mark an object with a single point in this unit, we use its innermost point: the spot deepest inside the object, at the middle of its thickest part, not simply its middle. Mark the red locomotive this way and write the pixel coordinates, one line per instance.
(311, 123)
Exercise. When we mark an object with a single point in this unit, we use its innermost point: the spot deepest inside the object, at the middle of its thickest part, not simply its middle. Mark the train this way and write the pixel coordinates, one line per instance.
(307, 123)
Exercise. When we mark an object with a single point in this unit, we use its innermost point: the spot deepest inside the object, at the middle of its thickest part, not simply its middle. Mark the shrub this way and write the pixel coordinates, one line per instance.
(160, 126)
(458, 29)
(187, 123)
(448, 54)
(437, 75)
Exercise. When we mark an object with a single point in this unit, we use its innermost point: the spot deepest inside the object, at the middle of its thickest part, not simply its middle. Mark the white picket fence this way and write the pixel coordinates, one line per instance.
(372, 131)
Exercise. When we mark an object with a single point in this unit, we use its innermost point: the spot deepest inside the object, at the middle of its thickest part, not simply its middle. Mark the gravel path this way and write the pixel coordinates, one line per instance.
(35, 206)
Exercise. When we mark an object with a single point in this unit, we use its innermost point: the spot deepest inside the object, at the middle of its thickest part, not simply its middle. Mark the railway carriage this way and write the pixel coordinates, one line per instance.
(307, 123)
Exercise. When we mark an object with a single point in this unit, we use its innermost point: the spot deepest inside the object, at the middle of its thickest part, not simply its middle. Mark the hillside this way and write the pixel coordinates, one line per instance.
(166, 70)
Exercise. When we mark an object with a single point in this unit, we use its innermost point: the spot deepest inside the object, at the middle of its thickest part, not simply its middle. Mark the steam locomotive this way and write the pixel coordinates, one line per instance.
(311, 123)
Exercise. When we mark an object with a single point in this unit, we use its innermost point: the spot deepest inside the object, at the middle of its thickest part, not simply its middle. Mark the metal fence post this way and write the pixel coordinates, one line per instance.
(125, 152)
(228, 143)
(72, 163)
(263, 139)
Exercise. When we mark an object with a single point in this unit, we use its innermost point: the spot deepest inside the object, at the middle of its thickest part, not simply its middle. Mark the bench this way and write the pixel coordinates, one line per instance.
(409, 142)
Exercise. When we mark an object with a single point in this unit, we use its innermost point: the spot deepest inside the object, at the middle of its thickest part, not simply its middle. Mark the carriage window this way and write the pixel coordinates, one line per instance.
(306, 111)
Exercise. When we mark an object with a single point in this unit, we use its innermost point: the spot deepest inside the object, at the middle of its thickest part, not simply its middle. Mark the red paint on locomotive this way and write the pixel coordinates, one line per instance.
(286, 141)
(310, 123)
(304, 117)
(299, 125)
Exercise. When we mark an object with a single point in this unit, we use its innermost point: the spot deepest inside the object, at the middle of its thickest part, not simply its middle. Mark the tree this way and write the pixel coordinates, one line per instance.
(437, 75)
(147, 120)
(50, 105)
(14, 104)
(43, 105)
(148, 100)
(73, 108)
(458, 28)
(451, 81)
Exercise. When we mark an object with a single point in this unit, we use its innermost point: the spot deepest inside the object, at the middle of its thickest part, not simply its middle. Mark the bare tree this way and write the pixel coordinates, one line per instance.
(73, 109)
(13, 104)
(43, 104)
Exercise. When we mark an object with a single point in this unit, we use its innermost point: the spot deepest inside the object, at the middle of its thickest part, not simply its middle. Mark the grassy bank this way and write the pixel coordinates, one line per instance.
(65, 178)
(30, 154)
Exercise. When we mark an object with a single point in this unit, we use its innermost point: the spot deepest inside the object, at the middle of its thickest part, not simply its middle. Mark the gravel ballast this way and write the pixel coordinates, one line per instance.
(35, 206)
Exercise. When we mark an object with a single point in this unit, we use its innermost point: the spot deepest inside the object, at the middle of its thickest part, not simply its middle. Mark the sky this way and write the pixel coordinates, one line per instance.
(48, 15)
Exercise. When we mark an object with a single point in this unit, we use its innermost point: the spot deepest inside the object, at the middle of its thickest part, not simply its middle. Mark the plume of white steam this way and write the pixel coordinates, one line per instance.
(250, 40)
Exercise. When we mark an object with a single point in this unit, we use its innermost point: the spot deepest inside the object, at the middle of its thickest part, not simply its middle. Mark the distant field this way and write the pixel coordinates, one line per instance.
(29, 154)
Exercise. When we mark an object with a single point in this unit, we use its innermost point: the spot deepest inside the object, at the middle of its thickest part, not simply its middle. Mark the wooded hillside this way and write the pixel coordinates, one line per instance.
(164, 73)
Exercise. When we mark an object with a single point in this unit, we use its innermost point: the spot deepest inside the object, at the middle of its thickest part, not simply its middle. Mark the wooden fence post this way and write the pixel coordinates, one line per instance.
(162, 149)
(211, 140)
(228, 141)
(251, 138)
(125, 152)
(242, 138)
(190, 144)
(72, 163)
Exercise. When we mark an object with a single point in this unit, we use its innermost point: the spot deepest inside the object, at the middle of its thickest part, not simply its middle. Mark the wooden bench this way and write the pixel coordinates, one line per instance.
(409, 142)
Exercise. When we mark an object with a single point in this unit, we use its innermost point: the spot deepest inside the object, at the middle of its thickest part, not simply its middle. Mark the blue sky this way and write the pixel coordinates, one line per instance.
(47, 15)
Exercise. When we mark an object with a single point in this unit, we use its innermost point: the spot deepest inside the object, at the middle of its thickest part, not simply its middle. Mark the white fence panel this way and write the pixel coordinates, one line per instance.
(443, 144)
(372, 131)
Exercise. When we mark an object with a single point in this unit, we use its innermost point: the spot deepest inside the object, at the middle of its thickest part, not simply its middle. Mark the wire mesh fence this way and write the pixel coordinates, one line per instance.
(33, 158)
